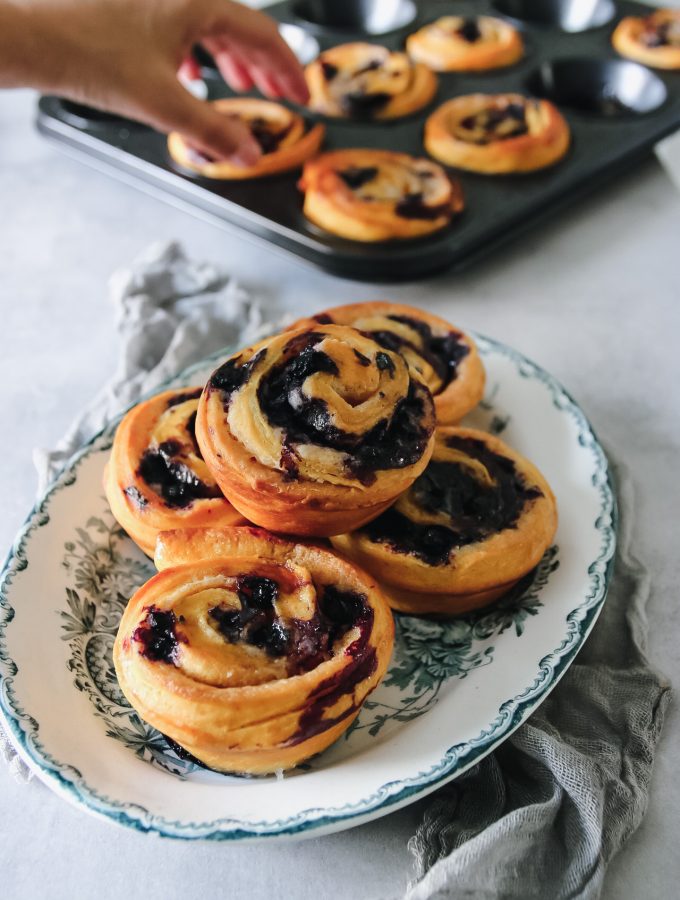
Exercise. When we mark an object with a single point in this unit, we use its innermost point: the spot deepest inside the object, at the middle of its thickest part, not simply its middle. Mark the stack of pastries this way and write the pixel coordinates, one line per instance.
(319, 479)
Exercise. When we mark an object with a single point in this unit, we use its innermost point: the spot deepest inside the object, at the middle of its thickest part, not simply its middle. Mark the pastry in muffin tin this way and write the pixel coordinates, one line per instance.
(284, 138)
(653, 40)
(466, 44)
(367, 81)
(497, 133)
(250, 652)
(477, 520)
(315, 431)
(156, 478)
(444, 357)
(377, 195)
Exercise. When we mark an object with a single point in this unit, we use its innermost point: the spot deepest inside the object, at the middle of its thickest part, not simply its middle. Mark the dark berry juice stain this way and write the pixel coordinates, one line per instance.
(164, 470)
(667, 34)
(392, 443)
(364, 105)
(266, 134)
(158, 636)
(328, 69)
(233, 374)
(356, 177)
(343, 606)
(443, 353)
(304, 642)
(498, 124)
(413, 206)
(385, 363)
(476, 510)
(469, 30)
(182, 397)
(361, 359)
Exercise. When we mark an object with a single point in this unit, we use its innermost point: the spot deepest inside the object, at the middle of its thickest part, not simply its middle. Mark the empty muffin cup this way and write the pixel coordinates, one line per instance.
(568, 15)
(369, 17)
(607, 87)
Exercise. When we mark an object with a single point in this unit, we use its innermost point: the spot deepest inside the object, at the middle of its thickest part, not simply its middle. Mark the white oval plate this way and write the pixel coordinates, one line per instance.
(453, 692)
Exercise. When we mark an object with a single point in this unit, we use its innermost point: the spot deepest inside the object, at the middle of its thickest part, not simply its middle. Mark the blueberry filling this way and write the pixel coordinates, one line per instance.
(413, 206)
(496, 123)
(305, 642)
(268, 139)
(329, 70)
(164, 471)
(176, 399)
(667, 34)
(475, 510)
(233, 374)
(362, 105)
(356, 177)
(443, 353)
(158, 636)
(396, 442)
(469, 30)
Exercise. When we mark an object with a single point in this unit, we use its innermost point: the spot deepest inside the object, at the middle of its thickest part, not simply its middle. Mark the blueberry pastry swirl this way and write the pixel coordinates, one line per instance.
(444, 357)
(653, 40)
(477, 520)
(315, 431)
(378, 195)
(156, 478)
(466, 44)
(367, 81)
(497, 133)
(250, 652)
(284, 138)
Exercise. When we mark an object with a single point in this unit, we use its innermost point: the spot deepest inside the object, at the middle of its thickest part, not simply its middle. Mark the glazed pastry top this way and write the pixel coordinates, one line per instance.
(171, 465)
(435, 355)
(466, 494)
(326, 404)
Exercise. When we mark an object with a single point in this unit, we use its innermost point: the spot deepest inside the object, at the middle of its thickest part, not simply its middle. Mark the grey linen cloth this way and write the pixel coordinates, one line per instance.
(540, 817)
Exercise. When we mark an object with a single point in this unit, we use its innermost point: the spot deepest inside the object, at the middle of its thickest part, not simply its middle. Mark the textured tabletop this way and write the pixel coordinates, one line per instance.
(594, 297)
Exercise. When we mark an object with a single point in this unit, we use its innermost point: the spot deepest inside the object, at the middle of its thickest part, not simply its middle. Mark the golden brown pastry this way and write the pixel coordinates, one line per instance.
(445, 358)
(653, 40)
(155, 478)
(466, 44)
(478, 519)
(315, 431)
(378, 195)
(367, 81)
(497, 133)
(251, 652)
(282, 134)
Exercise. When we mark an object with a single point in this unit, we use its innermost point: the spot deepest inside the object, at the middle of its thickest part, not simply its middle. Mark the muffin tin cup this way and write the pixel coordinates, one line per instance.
(617, 110)
(571, 16)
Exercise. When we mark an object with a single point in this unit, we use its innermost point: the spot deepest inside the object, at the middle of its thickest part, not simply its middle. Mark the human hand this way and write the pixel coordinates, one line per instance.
(123, 56)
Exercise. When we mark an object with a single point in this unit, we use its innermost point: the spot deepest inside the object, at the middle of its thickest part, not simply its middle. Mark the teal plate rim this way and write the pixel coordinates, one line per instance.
(66, 780)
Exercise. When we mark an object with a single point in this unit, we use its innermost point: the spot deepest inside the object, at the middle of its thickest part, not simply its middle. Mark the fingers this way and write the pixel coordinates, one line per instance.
(249, 42)
(218, 136)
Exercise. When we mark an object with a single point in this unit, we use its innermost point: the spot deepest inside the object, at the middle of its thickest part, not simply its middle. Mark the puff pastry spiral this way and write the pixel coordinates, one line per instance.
(653, 40)
(478, 519)
(497, 133)
(156, 478)
(367, 81)
(460, 44)
(444, 357)
(315, 431)
(282, 135)
(378, 195)
(250, 652)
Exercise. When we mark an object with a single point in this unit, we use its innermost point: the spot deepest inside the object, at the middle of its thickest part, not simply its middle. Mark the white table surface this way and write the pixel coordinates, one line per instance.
(594, 297)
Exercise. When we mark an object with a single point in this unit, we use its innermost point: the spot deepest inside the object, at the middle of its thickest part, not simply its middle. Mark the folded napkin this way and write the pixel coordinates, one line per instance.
(542, 816)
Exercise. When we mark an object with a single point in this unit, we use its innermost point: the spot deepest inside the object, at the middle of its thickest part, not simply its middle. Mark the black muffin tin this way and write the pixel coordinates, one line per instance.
(616, 109)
